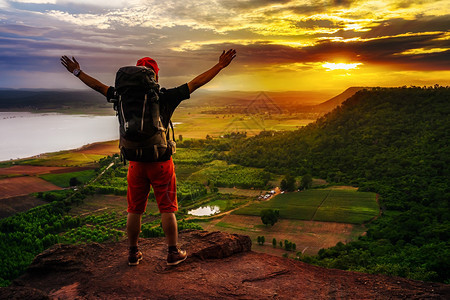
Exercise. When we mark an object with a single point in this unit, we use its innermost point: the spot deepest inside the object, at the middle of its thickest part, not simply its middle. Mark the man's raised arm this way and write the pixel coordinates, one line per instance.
(224, 60)
(73, 65)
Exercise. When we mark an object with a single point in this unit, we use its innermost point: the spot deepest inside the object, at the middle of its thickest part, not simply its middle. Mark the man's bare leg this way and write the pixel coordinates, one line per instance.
(169, 225)
(133, 228)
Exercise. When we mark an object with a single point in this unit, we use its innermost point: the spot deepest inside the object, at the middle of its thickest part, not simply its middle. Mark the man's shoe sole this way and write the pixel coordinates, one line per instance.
(176, 262)
(135, 263)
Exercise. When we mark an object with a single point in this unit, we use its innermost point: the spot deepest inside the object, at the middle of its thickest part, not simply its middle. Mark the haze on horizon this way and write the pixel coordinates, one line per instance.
(323, 45)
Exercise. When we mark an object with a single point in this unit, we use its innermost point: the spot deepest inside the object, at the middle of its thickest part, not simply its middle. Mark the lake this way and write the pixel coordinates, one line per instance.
(25, 134)
(205, 211)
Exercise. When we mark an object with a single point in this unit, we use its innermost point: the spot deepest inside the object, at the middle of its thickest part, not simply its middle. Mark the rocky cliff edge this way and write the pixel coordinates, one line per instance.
(220, 265)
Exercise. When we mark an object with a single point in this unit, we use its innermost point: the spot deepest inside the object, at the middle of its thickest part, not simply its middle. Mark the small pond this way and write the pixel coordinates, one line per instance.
(202, 211)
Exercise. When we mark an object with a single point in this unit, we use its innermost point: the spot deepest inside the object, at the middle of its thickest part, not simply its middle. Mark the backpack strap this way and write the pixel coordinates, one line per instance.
(122, 156)
(173, 132)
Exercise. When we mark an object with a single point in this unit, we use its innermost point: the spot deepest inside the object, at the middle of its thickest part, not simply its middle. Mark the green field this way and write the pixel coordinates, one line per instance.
(192, 156)
(63, 159)
(62, 179)
(195, 124)
(344, 206)
(188, 161)
(222, 174)
(226, 201)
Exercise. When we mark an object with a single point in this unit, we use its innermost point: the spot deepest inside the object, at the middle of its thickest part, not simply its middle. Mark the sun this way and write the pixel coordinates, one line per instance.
(340, 66)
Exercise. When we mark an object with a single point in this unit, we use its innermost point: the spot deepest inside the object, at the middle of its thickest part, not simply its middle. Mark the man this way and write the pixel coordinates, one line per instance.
(159, 174)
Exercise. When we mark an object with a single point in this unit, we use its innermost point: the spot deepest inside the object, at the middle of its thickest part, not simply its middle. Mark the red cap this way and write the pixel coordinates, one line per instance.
(148, 62)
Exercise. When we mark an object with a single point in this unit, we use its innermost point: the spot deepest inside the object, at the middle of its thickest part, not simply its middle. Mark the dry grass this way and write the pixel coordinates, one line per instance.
(102, 148)
(241, 192)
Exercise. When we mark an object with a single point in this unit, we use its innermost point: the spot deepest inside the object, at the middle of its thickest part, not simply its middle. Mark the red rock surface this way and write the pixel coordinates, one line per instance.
(220, 265)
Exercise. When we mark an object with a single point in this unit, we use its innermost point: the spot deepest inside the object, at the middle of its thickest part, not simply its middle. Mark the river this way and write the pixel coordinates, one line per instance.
(25, 134)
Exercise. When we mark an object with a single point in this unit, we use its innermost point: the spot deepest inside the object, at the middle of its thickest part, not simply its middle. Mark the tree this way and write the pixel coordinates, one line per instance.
(287, 245)
(180, 137)
(269, 216)
(74, 181)
(288, 183)
(306, 182)
(212, 188)
(274, 243)
(261, 240)
(283, 184)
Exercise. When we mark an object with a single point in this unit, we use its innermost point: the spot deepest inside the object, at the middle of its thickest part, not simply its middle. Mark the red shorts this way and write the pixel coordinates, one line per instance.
(142, 176)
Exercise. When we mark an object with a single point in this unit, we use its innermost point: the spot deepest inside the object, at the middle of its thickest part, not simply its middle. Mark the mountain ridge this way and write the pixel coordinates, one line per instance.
(337, 100)
(63, 99)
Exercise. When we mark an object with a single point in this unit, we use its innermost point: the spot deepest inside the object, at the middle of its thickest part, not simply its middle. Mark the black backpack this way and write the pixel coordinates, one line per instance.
(143, 136)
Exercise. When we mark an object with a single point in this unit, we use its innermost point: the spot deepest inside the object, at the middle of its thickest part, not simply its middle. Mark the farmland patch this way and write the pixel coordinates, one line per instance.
(13, 205)
(19, 186)
(330, 205)
(309, 236)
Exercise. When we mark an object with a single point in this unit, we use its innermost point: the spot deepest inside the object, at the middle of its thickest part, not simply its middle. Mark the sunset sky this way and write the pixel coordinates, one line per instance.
(282, 45)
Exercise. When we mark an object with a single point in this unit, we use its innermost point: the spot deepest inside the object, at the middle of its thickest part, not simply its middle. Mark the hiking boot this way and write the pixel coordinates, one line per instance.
(134, 257)
(175, 257)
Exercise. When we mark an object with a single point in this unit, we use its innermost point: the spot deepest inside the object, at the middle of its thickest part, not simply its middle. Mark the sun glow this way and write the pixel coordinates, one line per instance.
(340, 66)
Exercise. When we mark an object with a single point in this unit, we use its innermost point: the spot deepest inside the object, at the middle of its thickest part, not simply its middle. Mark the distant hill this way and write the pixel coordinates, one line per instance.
(241, 99)
(55, 100)
(298, 101)
(331, 104)
(87, 101)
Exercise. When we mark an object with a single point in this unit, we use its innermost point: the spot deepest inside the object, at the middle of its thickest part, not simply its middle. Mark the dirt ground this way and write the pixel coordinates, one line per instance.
(20, 186)
(13, 205)
(102, 148)
(241, 192)
(309, 236)
(26, 181)
(39, 170)
(100, 203)
(342, 187)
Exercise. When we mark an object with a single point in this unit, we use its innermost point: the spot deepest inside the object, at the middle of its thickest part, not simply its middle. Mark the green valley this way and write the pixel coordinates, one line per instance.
(378, 201)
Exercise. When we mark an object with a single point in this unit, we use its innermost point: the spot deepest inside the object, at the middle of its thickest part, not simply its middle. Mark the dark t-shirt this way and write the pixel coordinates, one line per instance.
(169, 99)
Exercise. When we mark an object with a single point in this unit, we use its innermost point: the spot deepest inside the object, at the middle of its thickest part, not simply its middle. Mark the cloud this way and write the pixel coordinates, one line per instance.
(34, 1)
(106, 34)
(98, 3)
(250, 4)
(380, 51)
(24, 30)
(409, 3)
(397, 26)
(345, 3)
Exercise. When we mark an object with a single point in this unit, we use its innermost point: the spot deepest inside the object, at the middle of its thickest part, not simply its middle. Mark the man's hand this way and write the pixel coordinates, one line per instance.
(226, 57)
(72, 64)
(224, 60)
(69, 64)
